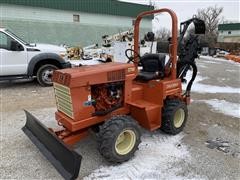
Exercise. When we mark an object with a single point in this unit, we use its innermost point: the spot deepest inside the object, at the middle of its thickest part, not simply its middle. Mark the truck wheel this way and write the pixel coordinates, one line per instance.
(119, 138)
(174, 117)
(44, 74)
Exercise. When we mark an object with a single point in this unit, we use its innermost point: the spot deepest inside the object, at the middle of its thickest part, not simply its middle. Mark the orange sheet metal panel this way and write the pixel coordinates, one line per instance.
(85, 123)
(147, 114)
(148, 100)
(153, 92)
(137, 92)
(79, 96)
(170, 88)
(156, 91)
(91, 75)
(75, 137)
(127, 87)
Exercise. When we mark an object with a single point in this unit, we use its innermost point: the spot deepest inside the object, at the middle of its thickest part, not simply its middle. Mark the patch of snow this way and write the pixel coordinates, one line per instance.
(230, 70)
(205, 88)
(202, 66)
(225, 107)
(203, 124)
(159, 157)
(223, 79)
(210, 58)
(213, 58)
(211, 62)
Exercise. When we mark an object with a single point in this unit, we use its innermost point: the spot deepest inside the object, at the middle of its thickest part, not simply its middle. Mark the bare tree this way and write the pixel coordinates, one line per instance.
(162, 33)
(212, 17)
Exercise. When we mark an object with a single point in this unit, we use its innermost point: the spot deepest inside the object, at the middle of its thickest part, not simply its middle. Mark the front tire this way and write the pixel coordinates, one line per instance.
(119, 138)
(174, 117)
(44, 74)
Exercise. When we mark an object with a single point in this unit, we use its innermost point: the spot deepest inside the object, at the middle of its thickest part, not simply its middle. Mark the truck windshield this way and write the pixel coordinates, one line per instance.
(18, 38)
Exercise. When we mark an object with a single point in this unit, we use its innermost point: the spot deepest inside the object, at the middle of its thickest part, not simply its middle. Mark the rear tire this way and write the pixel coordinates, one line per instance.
(174, 118)
(119, 138)
(44, 74)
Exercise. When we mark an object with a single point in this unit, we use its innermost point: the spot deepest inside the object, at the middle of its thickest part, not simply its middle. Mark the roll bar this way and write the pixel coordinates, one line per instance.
(173, 43)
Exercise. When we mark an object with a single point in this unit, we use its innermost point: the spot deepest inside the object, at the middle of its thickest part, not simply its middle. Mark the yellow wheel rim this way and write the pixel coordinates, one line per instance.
(125, 142)
(179, 117)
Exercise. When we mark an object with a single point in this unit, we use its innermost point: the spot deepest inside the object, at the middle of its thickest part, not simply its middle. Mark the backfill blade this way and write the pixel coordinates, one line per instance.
(66, 161)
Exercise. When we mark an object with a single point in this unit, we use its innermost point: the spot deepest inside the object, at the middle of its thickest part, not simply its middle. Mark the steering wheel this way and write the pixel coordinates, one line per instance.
(131, 58)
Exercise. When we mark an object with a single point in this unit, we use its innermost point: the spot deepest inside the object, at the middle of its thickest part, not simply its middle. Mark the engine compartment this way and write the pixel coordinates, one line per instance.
(107, 97)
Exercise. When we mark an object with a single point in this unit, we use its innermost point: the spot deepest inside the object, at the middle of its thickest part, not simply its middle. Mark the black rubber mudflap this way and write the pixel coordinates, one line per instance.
(65, 160)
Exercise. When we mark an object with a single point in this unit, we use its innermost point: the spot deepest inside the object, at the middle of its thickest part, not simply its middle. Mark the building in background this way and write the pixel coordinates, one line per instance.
(229, 33)
(71, 22)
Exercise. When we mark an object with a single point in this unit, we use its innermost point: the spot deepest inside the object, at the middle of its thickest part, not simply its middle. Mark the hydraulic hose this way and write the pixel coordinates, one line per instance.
(183, 67)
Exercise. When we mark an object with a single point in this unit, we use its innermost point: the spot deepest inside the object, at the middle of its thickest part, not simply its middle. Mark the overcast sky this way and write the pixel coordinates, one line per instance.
(187, 8)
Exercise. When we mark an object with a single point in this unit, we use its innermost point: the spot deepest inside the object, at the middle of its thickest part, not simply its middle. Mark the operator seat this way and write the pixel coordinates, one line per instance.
(152, 67)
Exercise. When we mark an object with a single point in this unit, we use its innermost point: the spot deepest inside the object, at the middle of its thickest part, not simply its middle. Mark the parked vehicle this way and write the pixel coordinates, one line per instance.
(20, 59)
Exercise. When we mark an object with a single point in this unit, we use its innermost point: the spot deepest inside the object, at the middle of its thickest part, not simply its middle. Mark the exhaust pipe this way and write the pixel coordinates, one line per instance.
(64, 159)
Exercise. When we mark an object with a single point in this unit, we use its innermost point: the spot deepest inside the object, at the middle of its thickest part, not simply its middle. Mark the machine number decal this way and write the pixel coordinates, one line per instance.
(171, 86)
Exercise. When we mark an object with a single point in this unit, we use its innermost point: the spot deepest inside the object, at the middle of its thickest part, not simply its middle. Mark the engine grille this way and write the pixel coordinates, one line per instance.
(63, 99)
(116, 75)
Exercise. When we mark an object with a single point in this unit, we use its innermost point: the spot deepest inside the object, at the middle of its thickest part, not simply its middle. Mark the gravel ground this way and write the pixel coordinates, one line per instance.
(210, 142)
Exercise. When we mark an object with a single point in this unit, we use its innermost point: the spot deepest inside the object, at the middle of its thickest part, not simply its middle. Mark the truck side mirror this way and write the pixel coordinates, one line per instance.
(15, 46)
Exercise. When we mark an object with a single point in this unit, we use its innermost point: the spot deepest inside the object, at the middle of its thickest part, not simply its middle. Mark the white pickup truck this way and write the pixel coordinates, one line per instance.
(19, 59)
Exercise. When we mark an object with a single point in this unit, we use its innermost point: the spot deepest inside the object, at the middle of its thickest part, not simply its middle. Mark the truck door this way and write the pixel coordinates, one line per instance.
(13, 56)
